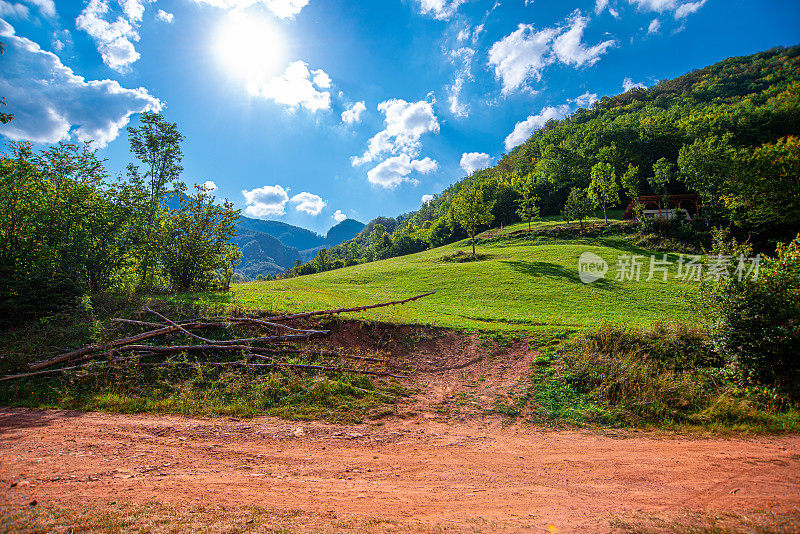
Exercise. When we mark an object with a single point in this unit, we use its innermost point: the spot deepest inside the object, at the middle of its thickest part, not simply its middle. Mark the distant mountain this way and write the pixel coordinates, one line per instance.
(289, 235)
(263, 253)
(344, 231)
(271, 247)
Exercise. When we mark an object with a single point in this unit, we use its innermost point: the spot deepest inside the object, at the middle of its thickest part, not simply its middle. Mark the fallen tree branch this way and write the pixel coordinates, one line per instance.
(325, 353)
(346, 310)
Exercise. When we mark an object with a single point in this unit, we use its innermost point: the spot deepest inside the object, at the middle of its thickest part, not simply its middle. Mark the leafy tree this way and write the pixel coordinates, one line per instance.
(323, 261)
(194, 240)
(232, 258)
(631, 182)
(5, 118)
(381, 242)
(529, 202)
(578, 206)
(603, 188)
(472, 211)
(156, 144)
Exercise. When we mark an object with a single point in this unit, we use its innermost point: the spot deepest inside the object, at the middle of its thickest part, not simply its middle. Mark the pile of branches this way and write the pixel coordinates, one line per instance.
(265, 351)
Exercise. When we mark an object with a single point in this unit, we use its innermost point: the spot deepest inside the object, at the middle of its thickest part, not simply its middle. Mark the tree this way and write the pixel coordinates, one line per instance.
(381, 242)
(156, 144)
(323, 261)
(472, 211)
(631, 182)
(232, 258)
(5, 118)
(528, 203)
(194, 240)
(577, 207)
(603, 188)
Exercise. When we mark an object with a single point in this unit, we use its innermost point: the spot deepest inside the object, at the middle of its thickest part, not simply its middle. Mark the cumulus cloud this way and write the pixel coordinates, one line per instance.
(395, 170)
(473, 161)
(462, 58)
(338, 216)
(569, 49)
(209, 186)
(522, 55)
(654, 26)
(405, 123)
(284, 9)
(352, 115)
(679, 9)
(585, 100)
(523, 130)
(113, 36)
(439, 9)
(266, 201)
(163, 16)
(600, 6)
(46, 7)
(11, 9)
(689, 8)
(628, 84)
(51, 103)
(426, 198)
(308, 203)
(296, 87)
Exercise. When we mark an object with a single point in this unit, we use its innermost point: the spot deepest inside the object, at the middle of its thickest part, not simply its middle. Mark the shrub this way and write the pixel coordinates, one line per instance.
(755, 323)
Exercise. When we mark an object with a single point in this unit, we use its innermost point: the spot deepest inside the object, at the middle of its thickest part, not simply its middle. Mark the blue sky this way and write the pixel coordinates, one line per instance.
(307, 111)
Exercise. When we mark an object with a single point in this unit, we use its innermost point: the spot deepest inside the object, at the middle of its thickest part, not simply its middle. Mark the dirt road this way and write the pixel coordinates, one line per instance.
(418, 474)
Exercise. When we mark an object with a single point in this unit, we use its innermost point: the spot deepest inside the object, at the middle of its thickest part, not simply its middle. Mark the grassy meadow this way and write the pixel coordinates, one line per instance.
(520, 282)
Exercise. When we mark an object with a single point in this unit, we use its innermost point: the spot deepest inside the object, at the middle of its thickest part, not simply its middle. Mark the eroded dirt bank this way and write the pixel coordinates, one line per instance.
(413, 474)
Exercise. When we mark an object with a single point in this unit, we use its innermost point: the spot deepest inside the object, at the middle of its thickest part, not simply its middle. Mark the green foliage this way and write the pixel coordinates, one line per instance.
(193, 240)
(472, 211)
(603, 188)
(529, 202)
(630, 181)
(578, 207)
(755, 323)
(156, 144)
(662, 174)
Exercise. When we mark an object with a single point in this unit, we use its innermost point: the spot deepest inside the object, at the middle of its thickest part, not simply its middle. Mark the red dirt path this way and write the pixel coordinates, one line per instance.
(413, 474)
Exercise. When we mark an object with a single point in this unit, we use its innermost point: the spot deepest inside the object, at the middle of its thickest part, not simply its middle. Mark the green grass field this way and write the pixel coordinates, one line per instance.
(522, 284)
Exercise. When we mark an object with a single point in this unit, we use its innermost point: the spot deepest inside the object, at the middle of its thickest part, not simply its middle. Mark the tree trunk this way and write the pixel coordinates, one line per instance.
(605, 217)
(473, 247)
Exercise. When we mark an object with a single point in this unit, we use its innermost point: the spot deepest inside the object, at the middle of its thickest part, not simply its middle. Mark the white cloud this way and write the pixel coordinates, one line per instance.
(523, 130)
(426, 198)
(51, 103)
(628, 84)
(284, 9)
(523, 54)
(600, 6)
(115, 39)
(395, 170)
(473, 161)
(266, 201)
(352, 115)
(681, 10)
(571, 51)
(338, 216)
(585, 100)
(308, 203)
(46, 7)
(163, 16)
(654, 26)
(462, 57)
(687, 9)
(405, 123)
(297, 87)
(439, 9)
(10, 9)
(209, 186)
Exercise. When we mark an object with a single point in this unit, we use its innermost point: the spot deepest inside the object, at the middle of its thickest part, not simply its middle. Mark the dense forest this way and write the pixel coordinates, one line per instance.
(728, 132)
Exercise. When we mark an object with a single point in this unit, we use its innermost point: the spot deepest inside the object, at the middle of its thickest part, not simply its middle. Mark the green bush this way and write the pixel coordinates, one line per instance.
(755, 323)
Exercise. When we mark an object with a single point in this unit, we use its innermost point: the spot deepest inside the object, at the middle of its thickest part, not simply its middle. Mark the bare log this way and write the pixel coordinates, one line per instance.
(103, 347)
(346, 310)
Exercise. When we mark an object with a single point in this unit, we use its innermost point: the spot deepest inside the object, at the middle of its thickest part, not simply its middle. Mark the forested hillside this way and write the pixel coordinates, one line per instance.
(728, 132)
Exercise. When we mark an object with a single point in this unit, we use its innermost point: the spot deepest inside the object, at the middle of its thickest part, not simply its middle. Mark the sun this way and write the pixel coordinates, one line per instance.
(249, 46)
